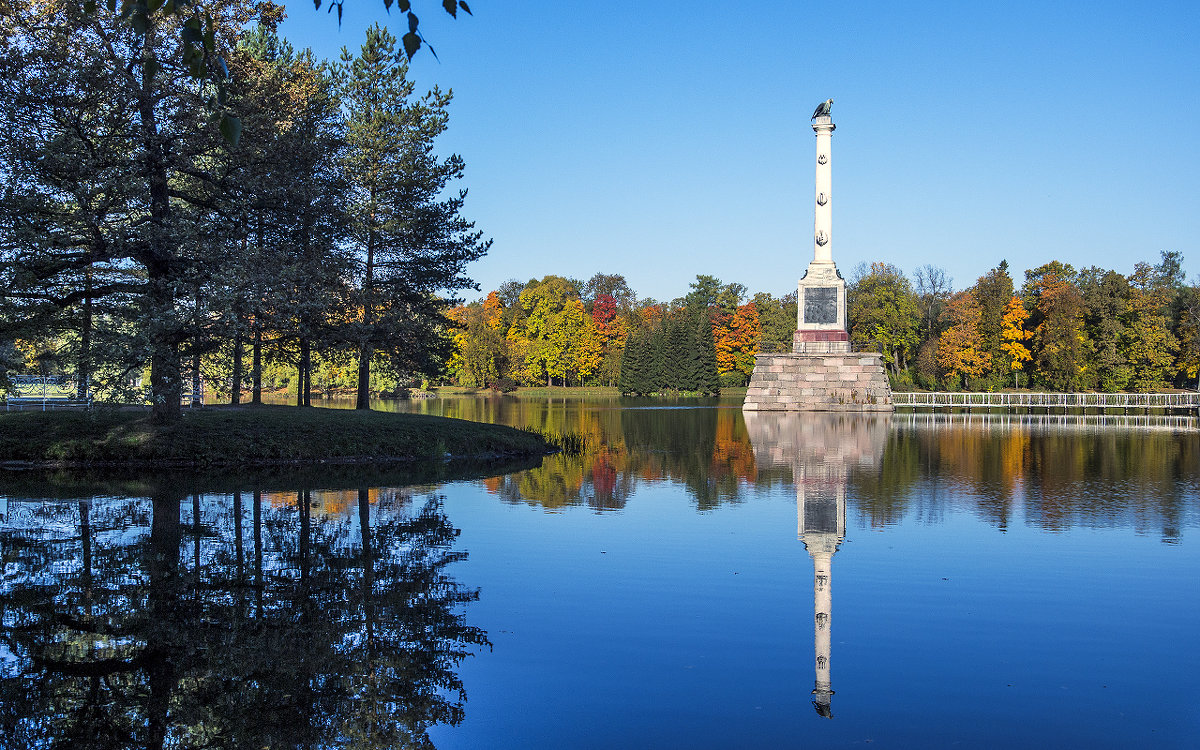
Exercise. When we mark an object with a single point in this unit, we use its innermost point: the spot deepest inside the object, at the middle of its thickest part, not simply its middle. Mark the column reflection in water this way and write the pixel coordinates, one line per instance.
(821, 450)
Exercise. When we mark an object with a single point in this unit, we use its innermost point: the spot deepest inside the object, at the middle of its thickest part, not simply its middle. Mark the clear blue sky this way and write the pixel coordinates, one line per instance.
(661, 140)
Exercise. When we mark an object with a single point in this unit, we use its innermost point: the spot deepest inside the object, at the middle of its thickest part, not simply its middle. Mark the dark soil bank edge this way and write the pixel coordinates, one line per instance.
(80, 482)
(251, 436)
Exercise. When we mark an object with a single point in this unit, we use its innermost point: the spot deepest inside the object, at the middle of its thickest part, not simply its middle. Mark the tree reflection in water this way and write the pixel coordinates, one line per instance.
(179, 622)
(1048, 471)
(706, 449)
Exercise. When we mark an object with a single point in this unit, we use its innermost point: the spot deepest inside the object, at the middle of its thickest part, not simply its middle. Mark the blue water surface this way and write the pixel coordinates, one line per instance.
(1003, 581)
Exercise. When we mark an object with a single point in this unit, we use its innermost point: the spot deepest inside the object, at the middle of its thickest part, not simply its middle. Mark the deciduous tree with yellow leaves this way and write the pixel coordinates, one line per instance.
(1014, 335)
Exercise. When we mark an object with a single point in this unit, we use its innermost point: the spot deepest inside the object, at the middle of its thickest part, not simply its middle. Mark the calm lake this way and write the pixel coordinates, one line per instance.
(699, 578)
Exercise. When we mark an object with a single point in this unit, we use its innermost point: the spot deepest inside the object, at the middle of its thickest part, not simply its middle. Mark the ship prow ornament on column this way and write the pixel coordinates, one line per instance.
(822, 373)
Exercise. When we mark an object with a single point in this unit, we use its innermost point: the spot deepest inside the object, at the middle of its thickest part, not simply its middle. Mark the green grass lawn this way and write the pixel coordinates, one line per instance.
(250, 435)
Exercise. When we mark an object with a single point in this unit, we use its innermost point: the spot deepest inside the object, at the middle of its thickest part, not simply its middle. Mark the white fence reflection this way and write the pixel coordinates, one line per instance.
(1170, 422)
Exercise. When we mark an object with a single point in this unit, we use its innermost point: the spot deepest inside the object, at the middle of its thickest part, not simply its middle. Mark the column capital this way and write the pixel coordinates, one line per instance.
(823, 124)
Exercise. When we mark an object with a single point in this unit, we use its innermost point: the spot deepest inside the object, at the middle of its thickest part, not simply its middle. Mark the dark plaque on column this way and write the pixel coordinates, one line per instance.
(820, 304)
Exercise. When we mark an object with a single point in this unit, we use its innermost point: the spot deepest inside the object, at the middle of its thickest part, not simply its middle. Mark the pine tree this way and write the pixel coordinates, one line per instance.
(412, 243)
(285, 276)
(678, 372)
(707, 378)
(115, 168)
(637, 368)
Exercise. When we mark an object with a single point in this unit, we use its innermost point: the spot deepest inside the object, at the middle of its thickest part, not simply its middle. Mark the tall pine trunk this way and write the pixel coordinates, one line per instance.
(306, 370)
(197, 396)
(362, 401)
(365, 350)
(83, 388)
(235, 391)
(165, 386)
(256, 366)
(166, 378)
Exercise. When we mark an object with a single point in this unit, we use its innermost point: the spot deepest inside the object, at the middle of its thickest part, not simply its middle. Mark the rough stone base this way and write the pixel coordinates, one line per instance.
(818, 382)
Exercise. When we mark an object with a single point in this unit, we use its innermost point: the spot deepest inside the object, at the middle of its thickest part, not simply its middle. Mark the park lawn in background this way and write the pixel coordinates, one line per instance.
(252, 435)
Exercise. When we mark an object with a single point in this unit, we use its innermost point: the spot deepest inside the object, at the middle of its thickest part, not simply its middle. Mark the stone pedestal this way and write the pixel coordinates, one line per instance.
(819, 382)
(821, 311)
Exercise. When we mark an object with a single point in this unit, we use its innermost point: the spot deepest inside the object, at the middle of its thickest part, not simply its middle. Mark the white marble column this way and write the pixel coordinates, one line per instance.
(823, 213)
(821, 292)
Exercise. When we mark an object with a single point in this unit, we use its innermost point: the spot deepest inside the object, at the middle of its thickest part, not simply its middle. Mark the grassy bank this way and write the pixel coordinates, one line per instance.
(258, 435)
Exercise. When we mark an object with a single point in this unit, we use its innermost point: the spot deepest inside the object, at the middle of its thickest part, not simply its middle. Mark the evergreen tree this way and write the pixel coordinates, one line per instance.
(680, 370)
(412, 243)
(285, 276)
(632, 380)
(112, 167)
(658, 357)
(641, 365)
(706, 378)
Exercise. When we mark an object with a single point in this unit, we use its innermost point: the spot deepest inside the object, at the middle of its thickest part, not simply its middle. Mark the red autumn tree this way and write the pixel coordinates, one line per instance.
(604, 310)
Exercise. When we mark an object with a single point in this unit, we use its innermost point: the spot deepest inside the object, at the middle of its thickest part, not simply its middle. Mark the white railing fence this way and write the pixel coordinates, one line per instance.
(1183, 400)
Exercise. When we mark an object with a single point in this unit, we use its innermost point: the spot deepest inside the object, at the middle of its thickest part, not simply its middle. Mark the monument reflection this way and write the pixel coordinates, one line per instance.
(821, 449)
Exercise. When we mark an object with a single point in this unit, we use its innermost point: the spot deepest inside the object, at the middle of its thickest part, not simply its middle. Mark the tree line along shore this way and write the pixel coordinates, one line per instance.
(1062, 329)
(144, 253)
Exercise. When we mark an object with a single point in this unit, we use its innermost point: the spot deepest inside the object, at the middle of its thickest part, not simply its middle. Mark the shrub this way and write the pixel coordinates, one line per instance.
(503, 385)
(734, 379)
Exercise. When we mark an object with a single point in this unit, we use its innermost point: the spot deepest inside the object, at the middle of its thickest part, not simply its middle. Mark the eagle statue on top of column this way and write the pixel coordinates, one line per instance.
(822, 109)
